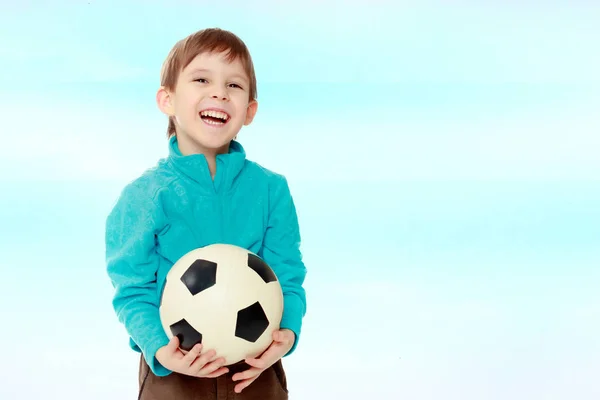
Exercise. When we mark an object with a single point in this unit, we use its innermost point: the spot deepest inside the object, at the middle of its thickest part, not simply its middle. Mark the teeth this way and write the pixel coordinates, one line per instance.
(214, 114)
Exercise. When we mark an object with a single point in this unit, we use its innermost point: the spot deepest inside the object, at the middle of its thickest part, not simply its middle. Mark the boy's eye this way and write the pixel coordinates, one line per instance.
(235, 85)
(201, 80)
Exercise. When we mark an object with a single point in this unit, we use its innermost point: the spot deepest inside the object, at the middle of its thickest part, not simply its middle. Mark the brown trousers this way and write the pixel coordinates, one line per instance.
(271, 384)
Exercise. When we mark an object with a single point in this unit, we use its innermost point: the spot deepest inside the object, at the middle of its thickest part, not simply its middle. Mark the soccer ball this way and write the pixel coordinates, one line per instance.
(226, 298)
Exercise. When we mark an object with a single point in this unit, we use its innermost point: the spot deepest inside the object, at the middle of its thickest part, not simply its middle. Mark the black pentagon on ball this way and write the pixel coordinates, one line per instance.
(261, 268)
(199, 276)
(251, 322)
(187, 335)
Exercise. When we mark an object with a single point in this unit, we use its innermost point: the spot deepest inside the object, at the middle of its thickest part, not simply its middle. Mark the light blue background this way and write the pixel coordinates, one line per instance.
(444, 160)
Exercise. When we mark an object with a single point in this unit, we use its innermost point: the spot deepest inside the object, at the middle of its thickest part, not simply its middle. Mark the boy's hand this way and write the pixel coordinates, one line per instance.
(283, 340)
(192, 363)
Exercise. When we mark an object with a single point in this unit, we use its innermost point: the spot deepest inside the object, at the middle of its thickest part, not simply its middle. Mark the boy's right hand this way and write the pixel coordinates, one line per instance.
(192, 363)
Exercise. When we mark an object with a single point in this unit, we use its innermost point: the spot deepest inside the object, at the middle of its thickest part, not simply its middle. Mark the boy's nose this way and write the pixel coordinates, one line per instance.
(221, 95)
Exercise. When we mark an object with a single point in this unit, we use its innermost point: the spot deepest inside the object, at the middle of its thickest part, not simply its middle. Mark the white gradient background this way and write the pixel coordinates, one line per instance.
(445, 160)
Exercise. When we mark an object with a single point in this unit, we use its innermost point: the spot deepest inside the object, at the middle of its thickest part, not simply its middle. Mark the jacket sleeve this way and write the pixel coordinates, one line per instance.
(132, 264)
(281, 250)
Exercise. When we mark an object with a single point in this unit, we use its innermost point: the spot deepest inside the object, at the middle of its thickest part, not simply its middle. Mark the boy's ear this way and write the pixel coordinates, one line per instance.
(251, 112)
(164, 101)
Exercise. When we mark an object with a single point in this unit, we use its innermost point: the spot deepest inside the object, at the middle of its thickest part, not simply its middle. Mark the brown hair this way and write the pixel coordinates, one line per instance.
(205, 41)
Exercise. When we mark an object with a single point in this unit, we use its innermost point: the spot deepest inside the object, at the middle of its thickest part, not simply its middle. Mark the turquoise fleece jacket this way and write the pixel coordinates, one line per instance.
(176, 207)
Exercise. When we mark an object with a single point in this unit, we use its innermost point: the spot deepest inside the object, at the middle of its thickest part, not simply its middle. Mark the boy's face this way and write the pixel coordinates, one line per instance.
(210, 104)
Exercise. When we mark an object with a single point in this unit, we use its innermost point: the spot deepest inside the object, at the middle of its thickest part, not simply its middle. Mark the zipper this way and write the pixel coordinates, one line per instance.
(221, 218)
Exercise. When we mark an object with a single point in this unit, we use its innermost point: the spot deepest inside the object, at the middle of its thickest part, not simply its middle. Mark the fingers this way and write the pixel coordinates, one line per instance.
(211, 367)
(273, 353)
(284, 336)
(203, 359)
(246, 378)
(173, 345)
(247, 374)
(205, 365)
(276, 350)
(243, 385)
(217, 373)
(259, 363)
(191, 356)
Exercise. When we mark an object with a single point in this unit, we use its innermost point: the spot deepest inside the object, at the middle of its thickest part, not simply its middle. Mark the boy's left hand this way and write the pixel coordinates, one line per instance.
(283, 340)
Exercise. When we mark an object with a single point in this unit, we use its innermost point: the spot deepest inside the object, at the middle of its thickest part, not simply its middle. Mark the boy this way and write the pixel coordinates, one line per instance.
(204, 192)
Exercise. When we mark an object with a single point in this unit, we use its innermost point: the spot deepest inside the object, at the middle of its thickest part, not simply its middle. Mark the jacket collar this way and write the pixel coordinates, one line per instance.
(195, 166)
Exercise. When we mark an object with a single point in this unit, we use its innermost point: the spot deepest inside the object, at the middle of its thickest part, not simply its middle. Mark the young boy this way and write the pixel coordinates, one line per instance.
(205, 191)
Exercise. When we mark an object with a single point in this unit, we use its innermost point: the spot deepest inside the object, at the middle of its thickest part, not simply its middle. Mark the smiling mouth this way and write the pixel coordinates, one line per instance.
(212, 117)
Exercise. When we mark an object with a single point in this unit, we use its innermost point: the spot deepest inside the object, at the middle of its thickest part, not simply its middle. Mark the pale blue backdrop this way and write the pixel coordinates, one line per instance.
(444, 159)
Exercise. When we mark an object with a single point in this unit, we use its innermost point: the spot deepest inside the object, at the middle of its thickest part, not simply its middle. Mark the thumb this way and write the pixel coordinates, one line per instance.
(173, 344)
